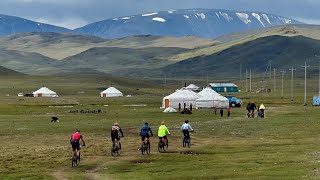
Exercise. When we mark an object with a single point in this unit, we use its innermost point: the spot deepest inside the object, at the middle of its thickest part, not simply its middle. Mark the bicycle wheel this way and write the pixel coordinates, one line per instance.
(189, 143)
(74, 160)
(78, 159)
(184, 142)
(112, 150)
(160, 146)
(143, 148)
(148, 148)
(167, 144)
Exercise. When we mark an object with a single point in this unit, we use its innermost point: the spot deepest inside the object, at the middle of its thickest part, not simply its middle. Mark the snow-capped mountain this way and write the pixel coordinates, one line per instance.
(12, 25)
(208, 23)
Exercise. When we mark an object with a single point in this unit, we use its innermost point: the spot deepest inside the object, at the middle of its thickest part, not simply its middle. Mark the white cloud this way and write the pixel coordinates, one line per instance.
(308, 20)
(70, 23)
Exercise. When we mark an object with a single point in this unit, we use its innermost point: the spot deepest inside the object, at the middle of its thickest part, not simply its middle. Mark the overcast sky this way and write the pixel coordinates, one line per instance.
(76, 13)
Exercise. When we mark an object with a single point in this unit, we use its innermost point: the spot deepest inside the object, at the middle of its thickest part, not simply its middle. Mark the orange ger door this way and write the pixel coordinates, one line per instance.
(166, 103)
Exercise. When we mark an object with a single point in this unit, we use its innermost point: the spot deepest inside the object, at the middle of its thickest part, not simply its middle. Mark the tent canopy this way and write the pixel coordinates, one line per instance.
(111, 92)
(169, 110)
(44, 92)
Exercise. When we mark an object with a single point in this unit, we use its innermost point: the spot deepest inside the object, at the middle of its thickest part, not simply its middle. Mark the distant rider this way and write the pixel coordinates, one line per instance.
(163, 131)
(75, 141)
(185, 129)
(115, 132)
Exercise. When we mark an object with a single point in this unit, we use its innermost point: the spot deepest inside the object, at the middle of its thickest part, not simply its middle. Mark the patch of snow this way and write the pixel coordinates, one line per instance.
(257, 16)
(150, 14)
(125, 18)
(38, 24)
(186, 16)
(172, 11)
(285, 20)
(226, 16)
(159, 19)
(196, 16)
(244, 17)
(115, 19)
(217, 15)
(201, 15)
(265, 17)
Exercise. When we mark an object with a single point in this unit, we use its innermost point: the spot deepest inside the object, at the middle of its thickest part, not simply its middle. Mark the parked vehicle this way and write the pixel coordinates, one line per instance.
(234, 101)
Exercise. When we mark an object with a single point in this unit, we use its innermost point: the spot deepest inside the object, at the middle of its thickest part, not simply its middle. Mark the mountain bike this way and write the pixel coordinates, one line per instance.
(163, 144)
(116, 148)
(145, 146)
(75, 161)
(186, 141)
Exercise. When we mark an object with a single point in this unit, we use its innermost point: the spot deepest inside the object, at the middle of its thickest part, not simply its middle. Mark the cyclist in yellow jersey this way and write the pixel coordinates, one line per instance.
(163, 131)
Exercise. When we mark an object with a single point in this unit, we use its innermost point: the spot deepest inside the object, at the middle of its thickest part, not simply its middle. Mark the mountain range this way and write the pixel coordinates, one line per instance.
(207, 23)
(151, 56)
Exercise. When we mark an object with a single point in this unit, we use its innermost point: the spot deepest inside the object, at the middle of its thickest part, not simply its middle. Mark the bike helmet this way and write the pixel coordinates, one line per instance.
(77, 130)
(146, 123)
(163, 123)
(186, 121)
(116, 124)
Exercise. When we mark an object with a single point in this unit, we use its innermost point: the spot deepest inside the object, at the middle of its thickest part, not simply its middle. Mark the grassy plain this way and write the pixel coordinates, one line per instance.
(284, 145)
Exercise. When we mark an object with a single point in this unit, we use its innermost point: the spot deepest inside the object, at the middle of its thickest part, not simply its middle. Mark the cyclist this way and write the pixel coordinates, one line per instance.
(115, 132)
(185, 129)
(75, 141)
(144, 132)
(163, 131)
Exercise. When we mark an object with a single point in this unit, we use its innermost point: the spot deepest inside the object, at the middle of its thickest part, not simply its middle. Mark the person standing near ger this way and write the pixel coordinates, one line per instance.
(229, 111)
(252, 108)
(221, 112)
(248, 109)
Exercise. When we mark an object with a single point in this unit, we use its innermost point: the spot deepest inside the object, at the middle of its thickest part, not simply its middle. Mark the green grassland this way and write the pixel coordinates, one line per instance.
(284, 145)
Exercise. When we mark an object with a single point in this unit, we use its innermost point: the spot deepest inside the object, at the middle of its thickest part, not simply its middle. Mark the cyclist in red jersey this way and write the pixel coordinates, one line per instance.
(115, 132)
(75, 141)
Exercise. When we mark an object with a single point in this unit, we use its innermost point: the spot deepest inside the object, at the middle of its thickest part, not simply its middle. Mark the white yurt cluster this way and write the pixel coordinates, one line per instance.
(44, 92)
(111, 92)
(211, 99)
(207, 98)
(180, 96)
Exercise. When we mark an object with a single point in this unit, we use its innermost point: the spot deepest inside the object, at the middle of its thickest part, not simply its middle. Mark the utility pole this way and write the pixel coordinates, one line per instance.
(246, 80)
(292, 82)
(274, 79)
(250, 81)
(282, 74)
(305, 82)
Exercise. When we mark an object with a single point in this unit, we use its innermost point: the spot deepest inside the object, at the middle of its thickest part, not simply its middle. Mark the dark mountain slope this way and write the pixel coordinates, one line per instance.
(284, 52)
